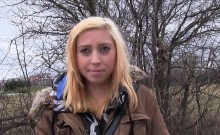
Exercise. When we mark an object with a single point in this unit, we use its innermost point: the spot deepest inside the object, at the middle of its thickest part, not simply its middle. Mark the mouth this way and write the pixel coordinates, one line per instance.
(96, 70)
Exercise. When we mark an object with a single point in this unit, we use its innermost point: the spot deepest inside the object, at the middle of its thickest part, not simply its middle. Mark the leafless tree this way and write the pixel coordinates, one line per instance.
(175, 40)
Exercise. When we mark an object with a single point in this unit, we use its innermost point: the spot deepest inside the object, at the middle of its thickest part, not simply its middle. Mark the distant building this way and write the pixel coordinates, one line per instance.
(35, 79)
(41, 80)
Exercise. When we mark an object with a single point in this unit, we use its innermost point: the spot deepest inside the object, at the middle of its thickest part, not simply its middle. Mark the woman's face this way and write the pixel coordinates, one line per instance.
(96, 55)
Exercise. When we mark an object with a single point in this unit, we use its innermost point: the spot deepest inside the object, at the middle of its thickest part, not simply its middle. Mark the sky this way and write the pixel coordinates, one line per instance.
(8, 66)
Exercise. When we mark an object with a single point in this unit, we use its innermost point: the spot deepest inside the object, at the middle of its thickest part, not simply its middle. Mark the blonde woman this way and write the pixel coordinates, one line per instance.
(96, 95)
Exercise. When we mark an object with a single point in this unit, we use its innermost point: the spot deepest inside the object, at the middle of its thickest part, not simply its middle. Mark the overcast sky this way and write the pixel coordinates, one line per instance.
(9, 67)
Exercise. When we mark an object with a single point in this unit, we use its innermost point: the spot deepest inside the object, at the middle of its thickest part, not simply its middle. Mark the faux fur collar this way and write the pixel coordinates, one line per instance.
(136, 74)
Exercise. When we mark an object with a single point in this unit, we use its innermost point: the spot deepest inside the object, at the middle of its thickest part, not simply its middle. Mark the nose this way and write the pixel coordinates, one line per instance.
(96, 58)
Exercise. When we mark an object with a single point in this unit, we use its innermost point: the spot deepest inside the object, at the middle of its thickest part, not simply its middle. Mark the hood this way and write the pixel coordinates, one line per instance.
(39, 101)
(136, 73)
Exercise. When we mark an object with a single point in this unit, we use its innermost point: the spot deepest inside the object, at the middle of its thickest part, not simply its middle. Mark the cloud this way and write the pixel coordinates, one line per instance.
(9, 67)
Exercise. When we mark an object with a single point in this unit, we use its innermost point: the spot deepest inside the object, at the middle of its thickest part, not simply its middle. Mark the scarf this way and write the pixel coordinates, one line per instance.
(90, 122)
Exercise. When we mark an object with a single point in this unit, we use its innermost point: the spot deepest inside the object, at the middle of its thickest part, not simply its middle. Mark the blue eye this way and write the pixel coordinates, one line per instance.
(105, 49)
(85, 50)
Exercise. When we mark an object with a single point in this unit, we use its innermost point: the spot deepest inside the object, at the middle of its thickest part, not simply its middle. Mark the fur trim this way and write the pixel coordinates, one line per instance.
(39, 101)
(136, 73)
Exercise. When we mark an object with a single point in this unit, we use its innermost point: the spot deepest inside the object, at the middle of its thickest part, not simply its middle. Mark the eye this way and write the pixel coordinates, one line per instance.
(85, 50)
(105, 49)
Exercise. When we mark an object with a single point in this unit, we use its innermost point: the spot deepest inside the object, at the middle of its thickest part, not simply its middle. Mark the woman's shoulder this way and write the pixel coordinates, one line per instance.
(42, 99)
(50, 97)
(146, 99)
(146, 92)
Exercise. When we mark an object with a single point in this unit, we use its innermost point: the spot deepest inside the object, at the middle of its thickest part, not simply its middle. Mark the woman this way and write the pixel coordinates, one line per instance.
(97, 85)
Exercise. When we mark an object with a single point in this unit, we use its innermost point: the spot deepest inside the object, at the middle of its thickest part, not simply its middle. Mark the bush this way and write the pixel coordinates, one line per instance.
(13, 84)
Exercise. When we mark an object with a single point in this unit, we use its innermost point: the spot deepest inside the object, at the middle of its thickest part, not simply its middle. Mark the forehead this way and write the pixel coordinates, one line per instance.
(95, 35)
(95, 30)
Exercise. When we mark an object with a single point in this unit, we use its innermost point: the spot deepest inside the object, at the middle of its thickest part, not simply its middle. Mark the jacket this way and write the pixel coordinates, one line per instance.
(147, 117)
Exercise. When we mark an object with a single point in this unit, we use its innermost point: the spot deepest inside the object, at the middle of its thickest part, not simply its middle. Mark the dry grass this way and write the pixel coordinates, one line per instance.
(13, 111)
(202, 111)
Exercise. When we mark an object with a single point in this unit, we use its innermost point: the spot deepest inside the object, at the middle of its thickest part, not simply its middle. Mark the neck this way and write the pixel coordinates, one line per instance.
(98, 93)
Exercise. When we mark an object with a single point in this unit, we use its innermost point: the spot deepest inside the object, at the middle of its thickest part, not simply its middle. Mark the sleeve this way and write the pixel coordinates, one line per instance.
(148, 105)
(44, 123)
(158, 126)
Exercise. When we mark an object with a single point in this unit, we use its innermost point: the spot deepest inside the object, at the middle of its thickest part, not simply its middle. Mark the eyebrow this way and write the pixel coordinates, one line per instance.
(86, 45)
(105, 44)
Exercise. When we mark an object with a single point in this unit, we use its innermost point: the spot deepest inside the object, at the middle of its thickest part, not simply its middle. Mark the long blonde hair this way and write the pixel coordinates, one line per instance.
(75, 94)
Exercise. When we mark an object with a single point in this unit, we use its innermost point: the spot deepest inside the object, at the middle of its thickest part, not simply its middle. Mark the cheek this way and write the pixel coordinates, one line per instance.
(80, 62)
(112, 61)
(77, 61)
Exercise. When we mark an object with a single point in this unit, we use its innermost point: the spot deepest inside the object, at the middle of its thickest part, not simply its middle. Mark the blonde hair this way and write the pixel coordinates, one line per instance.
(75, 95)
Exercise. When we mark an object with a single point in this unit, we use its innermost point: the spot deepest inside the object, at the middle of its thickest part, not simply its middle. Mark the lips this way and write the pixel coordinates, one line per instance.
(96, 72)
